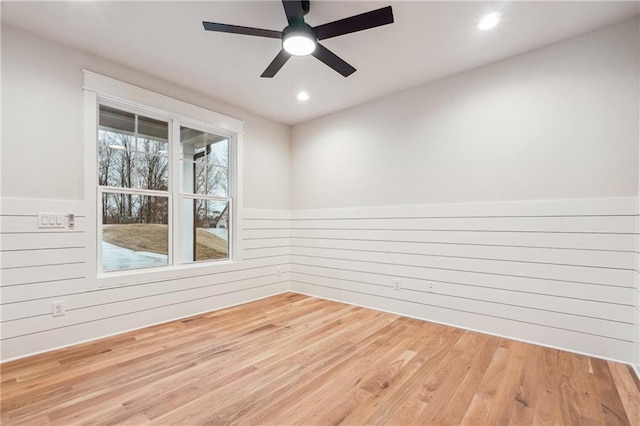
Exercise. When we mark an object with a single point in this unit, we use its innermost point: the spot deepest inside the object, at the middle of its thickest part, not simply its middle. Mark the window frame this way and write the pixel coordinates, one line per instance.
(101, 90)
(232, 175)
(137, 191)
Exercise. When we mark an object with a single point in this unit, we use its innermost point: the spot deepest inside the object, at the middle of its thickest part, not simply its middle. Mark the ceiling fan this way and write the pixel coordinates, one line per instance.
(300, 39)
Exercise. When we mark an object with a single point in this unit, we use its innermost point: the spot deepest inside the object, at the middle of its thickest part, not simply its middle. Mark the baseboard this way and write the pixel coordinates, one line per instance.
(57, 348)
(469, 329)
(636, 369)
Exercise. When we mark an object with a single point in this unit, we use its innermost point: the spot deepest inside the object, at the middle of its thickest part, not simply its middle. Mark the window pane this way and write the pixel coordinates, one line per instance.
(204, 163)
(119, 168)
(132, 151)
(205, 230)
(116, 121)
(152, 166)
(134, 231)
(153, 130)
(123, 168)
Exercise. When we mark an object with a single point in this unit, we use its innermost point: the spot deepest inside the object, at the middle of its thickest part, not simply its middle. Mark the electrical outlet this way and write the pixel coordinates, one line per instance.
(431, 287)
(396, 283)
(279, 272)
(57, 309)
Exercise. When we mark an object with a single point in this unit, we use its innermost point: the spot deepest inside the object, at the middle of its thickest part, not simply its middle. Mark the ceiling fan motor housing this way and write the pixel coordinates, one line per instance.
(302, 29)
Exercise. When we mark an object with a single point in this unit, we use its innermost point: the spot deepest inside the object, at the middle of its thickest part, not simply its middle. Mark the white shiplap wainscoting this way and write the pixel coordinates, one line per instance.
(636, 333)
(40, 266)
(558, 273)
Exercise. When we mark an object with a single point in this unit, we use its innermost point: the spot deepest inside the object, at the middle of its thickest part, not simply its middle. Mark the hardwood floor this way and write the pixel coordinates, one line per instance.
(293, 359)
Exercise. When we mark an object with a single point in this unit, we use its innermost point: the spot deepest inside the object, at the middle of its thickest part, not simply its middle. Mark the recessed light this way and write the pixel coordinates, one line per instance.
(489, 21)
(303, 96)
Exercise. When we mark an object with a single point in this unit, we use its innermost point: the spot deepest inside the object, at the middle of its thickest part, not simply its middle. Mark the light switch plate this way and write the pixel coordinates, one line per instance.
(51, 220)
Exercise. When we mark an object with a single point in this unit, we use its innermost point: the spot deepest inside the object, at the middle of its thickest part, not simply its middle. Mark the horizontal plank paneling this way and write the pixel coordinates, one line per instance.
(561, 224)
(40, 266)
(260, 224)
(49, 289)
(603, 259)
(40, 241)
(261, 214)
(29, 225)
(599, 242)
(161, 274)
(518, 297)
(33, 206)
(253, 234)
(605, 276)
(555, 337)
(518, 269)
(79, 300)
(258, 253)
(568, 207)
(42, 290)
(266, 242)
(35, 274)
(586, 325)
(98, 310)
(64, 336)
(612, 294)
(561, 273)
(31, 258)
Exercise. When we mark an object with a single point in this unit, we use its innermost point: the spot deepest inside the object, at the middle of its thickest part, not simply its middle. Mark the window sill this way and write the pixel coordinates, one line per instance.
(132, 277)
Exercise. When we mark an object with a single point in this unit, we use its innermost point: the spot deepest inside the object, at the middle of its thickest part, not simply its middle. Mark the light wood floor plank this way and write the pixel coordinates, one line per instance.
(294, 359)
(628, 391)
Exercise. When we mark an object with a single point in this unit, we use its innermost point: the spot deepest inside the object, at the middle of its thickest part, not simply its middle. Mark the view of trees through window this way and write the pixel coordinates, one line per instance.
(133, 174)
(135, 192)
(205, 183)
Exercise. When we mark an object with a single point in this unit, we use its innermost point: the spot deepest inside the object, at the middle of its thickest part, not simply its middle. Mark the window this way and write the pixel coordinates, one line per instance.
(165, 174)
(133, 186)
(204, 162)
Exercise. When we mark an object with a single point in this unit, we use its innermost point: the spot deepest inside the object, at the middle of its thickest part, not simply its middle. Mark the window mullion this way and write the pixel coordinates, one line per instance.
(204, 197)
(134, 191)
(175, 180)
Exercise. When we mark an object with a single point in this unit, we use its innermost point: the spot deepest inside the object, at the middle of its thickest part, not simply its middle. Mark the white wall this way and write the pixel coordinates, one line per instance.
(43, 171)
(42, 139)
(442, 184)
(637, 257)
(556, 123)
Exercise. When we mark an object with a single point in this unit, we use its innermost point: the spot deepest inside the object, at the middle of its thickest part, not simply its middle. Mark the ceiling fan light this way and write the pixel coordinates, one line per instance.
(299, 44)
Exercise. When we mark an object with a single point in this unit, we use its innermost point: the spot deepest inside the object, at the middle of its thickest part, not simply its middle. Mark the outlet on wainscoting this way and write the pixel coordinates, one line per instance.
(58, 309)
(396, 283)
(431, 287)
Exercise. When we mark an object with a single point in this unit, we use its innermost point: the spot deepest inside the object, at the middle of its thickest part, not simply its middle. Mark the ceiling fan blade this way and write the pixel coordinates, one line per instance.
(237, 29)
(276, 64)
(364, 21)
(333, 60)
(294, 11)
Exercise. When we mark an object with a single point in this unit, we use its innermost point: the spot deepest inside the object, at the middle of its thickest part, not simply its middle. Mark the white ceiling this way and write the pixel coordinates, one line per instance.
(428, 41)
